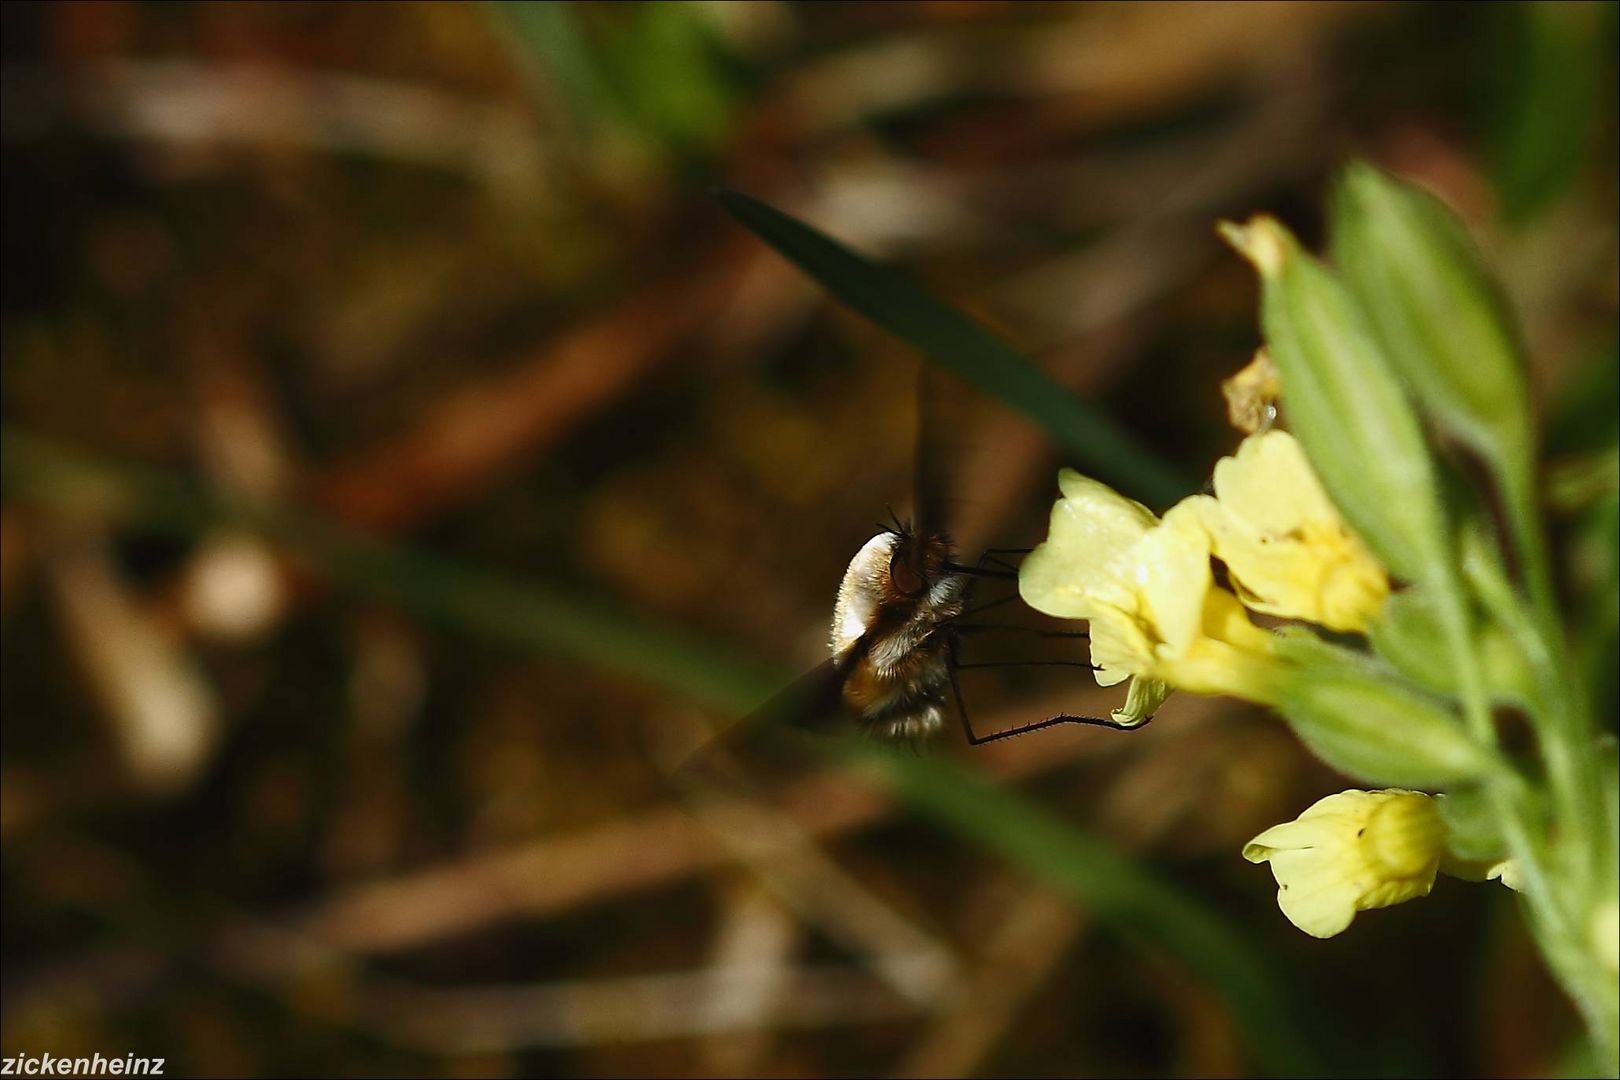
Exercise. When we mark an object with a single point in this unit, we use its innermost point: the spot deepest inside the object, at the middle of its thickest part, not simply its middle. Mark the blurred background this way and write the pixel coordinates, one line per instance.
(406, 460)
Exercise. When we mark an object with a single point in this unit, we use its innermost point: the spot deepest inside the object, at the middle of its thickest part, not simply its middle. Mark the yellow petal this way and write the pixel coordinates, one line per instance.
(1092, 531)
(1141, 701)
(1322, 823)
(1148, 591)
(1507, 872)
(1405, 836)
(1351, 852)
(1269, 483)
(1288, 551)
(1315, 892)
(1225, 620)
(1119, 649)
(1215, 667)
(1174, 578)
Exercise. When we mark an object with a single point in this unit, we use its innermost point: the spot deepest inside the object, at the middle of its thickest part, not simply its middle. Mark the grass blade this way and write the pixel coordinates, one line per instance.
(527, 615)
(966, 348)
(546, 620)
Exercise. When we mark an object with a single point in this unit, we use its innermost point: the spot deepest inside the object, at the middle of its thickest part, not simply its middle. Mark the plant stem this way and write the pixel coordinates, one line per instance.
(1562, 901)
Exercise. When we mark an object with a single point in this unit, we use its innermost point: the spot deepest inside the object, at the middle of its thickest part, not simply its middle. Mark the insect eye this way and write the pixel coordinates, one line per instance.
(907, 581)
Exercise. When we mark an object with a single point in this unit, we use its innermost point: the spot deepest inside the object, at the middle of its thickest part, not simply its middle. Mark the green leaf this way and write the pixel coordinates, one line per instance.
(1609, 770)
(547, 40)
(1437, 311)
(1410, 633)
(1596, 561)
(1551, 107)
(652, 71)
(670, 74)
(966, 348)
(1371, 726)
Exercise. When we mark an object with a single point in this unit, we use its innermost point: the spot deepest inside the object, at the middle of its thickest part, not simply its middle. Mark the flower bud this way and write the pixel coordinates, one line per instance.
(1367, 724)
(1404, 836)
(1434, 308)
(1351, 852)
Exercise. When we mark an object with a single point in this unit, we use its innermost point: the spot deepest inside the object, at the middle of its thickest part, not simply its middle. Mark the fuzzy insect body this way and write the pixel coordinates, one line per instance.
(891, 632)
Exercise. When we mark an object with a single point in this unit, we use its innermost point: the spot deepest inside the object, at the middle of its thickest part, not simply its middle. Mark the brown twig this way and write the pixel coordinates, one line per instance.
(454, 452)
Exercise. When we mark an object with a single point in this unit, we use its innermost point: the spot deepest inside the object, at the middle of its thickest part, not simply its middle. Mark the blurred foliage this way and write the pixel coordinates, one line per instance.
(1551, 105)
(408, 458)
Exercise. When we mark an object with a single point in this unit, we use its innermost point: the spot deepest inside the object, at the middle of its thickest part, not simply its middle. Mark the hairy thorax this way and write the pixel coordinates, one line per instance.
(894, 605)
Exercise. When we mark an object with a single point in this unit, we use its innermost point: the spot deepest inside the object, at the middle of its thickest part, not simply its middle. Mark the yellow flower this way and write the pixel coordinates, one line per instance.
(1351, 852)
(1145, 586)
(1288, 551)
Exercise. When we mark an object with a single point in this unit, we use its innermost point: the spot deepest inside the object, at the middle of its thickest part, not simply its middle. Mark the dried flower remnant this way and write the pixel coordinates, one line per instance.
(1251, 395)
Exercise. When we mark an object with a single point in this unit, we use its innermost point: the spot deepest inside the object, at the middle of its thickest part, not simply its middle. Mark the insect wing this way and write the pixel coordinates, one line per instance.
(769, 740)
(812, 702)
(943, 444)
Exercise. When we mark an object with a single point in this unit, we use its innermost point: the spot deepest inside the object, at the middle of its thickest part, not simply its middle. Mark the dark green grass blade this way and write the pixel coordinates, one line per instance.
(546, 620)
(967, 349)
(491, 605)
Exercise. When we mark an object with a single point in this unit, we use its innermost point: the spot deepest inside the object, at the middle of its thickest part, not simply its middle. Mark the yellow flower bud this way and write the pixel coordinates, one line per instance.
(1403, 835)
(1351, 852)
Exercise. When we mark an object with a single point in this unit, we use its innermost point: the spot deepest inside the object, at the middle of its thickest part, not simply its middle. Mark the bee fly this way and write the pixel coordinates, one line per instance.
(904, 607)
(888, 639)
(897, 630)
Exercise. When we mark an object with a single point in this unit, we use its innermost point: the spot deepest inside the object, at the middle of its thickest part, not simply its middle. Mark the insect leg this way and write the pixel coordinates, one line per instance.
(988, 565)
(976, 611)
(970, 628)
(1030, 663)
(1022, 729)
(1054, 721)
(979, 570)
(992, 555)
